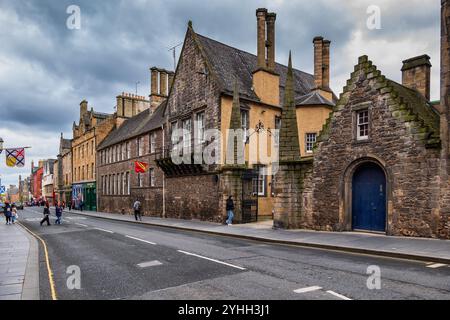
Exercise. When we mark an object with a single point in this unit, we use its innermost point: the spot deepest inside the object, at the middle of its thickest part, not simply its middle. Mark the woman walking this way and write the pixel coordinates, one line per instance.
(14, 214)
(46, 215)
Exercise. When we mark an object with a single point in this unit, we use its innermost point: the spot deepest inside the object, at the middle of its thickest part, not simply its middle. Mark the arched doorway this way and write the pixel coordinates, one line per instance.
(369, 198)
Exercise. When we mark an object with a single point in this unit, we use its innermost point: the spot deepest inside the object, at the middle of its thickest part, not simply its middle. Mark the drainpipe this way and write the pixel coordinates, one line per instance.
(164, 176)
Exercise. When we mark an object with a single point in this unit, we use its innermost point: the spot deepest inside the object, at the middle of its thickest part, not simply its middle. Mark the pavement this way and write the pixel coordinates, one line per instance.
(19, 276)
(422, 249)
(113, 259)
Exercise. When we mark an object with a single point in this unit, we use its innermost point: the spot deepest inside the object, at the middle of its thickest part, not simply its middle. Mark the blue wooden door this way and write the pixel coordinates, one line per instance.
(369, 198)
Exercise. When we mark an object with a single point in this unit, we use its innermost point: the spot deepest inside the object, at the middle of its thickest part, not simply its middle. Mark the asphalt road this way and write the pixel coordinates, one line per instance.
(120, 260)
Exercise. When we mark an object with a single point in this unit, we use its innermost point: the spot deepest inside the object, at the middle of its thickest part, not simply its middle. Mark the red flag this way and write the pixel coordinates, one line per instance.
(140, 167)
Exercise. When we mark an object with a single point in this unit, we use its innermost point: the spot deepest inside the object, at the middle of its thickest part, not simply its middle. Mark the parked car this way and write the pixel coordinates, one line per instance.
(19, 205)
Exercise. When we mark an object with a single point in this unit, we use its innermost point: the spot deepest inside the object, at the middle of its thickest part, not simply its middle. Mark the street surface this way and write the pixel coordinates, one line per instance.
(119, 260)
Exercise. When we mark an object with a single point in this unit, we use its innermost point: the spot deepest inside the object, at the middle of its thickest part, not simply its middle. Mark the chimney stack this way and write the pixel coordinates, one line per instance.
(270, 44)
(83, 107)
(171, 77)
(154, 81)
(318, 61)
(261, 37)
(163, 82)
(416, 74)
(326, 65)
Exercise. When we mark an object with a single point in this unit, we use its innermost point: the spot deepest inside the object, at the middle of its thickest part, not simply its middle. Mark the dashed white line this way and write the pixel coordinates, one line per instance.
(142, 240)
(213, 260)
(104, 230)
(307, 289)
(436, 265)
(338, 295)
(82, 225)
(147, 264)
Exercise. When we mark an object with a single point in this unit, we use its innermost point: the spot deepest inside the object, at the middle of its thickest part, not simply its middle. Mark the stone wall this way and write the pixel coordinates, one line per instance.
(194, 197)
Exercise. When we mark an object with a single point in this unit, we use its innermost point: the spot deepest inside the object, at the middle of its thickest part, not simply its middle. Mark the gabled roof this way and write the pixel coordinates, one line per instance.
(139, 124)
(229, 63)
(313, 98)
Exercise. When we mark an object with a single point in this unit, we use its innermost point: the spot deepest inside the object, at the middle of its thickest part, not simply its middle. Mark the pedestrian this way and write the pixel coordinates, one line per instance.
(58, 210)
(81, 205)
(230, 209)
(46, 215)
(14, 214)
(7, 212)
(137, 210)
(70, 205)
(63, 205)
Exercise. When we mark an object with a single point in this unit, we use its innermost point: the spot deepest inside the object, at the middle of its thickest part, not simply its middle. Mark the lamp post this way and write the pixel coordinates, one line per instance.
(1, 144)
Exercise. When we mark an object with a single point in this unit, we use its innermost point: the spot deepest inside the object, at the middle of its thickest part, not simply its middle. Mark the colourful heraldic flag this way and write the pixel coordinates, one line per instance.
(15, 157)
(140, 167)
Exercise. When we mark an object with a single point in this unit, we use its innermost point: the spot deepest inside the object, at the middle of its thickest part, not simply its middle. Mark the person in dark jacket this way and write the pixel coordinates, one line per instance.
(7, 212)
(46, 215)
(230, 210)
(58, 210)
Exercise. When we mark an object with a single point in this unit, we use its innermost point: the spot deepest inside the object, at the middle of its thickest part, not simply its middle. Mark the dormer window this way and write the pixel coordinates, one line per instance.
(362, 130)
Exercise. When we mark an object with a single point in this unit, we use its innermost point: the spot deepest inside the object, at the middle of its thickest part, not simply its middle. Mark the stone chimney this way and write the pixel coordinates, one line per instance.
(171, 77)
(261, 37)
(270, 43)
(322, 67)
(153, 80)
(318, 61)
(129, 105)
(416, 74)
(266, 82)
(163, 83)
(83, 108)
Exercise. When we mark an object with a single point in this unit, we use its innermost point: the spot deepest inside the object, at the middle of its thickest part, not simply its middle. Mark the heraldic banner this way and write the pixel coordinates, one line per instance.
(15, 157)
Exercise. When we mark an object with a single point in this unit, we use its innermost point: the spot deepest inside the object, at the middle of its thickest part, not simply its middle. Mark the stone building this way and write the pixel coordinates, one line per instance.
(220, 87)
(47, 181)
(137, 137)
(36, 180)
(381, 162)
(64, 170)
(92, 128)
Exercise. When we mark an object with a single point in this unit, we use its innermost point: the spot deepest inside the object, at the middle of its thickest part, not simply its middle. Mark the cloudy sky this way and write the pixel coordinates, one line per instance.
(46, 69)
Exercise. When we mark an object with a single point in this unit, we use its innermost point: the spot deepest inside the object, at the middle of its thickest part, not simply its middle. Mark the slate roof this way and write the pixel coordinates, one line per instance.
(313, 98)
(229, 63)
(419, 106)
(139, 124)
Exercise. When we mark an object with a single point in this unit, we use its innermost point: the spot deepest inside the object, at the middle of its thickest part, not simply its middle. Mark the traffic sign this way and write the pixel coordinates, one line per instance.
(2, 189)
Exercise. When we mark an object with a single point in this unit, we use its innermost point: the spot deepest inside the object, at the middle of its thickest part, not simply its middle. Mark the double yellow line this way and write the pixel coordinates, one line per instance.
(47, 260)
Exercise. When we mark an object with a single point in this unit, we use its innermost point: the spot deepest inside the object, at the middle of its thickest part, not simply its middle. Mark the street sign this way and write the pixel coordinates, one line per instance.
(2, 189)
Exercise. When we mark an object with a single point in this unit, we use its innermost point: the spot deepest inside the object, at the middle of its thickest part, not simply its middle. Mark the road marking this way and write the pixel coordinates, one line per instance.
(147, 264)
(47, 260)
(436, 265)
(76, 218)
(104, 230)
(82, 225)
(141, 240)
(213, 260)
(308, 289)
(338, 295)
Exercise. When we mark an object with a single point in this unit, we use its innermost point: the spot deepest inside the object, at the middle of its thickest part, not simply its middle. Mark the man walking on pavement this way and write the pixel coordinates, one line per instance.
(137, 210)
(59, 211)
(46, 215)
(230, 209)
(7, 212)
